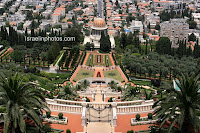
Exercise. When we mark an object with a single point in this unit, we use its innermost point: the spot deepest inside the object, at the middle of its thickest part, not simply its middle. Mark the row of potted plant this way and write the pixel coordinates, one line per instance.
(138, 120)
(55, 119)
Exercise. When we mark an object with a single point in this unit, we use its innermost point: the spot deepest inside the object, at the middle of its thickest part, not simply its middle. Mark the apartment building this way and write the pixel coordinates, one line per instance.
(175, 29)
(58, 13)
(136, 26)
(152, 19)
(160, 5)
(196, 17)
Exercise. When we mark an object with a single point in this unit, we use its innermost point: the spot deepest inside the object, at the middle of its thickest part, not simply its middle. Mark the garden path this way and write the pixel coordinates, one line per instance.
(86, 57)
(111, 59)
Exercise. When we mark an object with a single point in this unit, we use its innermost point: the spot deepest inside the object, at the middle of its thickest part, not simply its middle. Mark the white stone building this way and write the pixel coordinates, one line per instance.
(196, 17)
(136, 26)
(27, 25)
(175, 29)
(96, 29)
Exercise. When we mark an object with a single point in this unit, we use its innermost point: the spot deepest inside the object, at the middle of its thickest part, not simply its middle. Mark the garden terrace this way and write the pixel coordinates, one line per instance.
(95, 59)
(73, 59)
(57, 59)
(83, 73)
(114, 74)
(62, 60)
(94, 80)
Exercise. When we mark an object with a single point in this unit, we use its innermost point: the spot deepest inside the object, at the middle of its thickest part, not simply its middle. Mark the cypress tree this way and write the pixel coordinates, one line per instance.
(196, 51)
(105, 44)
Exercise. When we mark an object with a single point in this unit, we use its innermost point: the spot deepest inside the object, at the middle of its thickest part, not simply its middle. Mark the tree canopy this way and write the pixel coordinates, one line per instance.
(163, 46)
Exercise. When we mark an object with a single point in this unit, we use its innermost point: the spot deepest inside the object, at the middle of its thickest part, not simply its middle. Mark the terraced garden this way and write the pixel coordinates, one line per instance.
(83, 73)
(114, 74)
(92, 60)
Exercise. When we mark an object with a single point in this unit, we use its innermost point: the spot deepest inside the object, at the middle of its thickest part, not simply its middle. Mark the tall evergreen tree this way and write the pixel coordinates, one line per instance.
(105, 44)
(189, 51)
(196, 51)
(163, 46)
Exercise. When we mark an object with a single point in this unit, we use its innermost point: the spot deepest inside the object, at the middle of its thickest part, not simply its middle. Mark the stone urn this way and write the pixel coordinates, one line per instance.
(155, 99)
(55, 96)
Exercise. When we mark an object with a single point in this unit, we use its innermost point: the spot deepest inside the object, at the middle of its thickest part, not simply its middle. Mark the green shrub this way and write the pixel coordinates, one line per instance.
(137, 117)
(68, 131)
(46, 128)
(150, 116)
(131, 131)
(110, 99)
(85, 73)
(111, 74)
(60, 115)
(3, 110)
(48, 114)
(87, 99)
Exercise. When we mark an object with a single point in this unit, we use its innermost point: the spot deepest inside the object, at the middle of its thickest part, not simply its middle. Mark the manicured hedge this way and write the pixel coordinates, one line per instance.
(114, 58)
(75, 58)
(68, 60)
(83, 58)
(61, 62)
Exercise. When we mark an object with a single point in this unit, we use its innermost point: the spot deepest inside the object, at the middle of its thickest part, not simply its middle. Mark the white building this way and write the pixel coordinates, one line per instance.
(136, 26)
(46, 13)
(58, 13)
(99, 26)
(175, 29)
(27, 25)
(152, 19)
(196, 17)
(159, 5)
(44, 25)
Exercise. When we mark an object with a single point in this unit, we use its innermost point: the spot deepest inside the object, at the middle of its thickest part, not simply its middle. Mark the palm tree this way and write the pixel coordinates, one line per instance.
(112, 84)
(181, 107)
(68, 92)
(85, 84)
(131, 93)
(22, 101)
(148, 95)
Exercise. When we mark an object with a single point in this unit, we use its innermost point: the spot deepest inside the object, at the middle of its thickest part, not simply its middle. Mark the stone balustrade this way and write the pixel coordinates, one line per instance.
(101, 104)
(65, 106)
(122, 107)
(134, 109)
(68, 102)
(127, 103)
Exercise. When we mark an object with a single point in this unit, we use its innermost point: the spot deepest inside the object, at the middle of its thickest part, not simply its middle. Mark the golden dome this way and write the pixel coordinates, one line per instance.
(99, 22)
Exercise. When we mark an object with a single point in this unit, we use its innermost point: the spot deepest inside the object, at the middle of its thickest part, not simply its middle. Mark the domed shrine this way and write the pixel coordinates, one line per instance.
(99, 26)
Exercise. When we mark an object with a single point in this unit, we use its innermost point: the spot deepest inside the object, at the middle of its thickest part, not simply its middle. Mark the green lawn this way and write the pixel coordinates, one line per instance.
(113, 74)
(88, 60)
(96, 63)
(109, 61)
(103, 59)
(140, 82)
(83, 74)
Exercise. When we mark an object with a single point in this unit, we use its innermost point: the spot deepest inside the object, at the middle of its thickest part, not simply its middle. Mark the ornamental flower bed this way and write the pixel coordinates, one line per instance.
(142, 121)
(55, 120)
